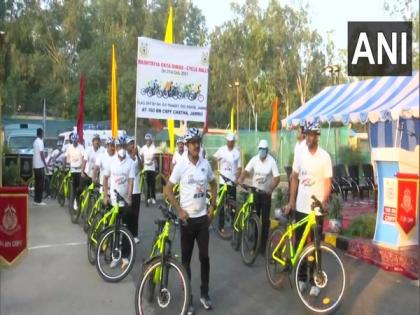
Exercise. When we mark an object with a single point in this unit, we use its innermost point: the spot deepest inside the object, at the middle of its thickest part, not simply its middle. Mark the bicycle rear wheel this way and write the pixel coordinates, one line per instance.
(171, 297)
(251, 239)
(60, 195)
(110, 254)
(223, 222)
(276, 273)
(320, 271)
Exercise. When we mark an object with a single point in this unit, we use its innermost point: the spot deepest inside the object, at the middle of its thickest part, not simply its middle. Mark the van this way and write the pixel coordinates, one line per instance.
(20, 137)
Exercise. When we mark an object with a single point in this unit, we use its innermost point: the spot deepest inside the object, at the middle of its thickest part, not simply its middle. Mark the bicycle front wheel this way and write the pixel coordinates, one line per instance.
(223, 222)
(320, 279)
(251, 239)
(169, 296)
(115, 254)
(276, 272)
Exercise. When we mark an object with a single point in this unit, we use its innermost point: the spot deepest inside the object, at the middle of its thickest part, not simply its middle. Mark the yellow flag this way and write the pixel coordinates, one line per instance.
(114, 106)
(232, 119)
(171, 124)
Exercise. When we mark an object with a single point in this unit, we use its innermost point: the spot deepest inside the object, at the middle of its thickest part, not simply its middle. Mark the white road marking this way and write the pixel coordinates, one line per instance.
(57, 245)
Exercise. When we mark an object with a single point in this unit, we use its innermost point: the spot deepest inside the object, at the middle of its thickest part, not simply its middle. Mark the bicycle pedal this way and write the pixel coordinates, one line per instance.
(311, 258)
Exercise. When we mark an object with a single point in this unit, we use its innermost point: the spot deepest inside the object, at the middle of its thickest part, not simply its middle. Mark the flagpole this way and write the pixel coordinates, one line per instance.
(44, 117)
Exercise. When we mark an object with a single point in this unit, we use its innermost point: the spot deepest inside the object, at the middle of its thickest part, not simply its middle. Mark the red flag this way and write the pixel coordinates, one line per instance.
(273, 127)
(157, 125)
(81, 109)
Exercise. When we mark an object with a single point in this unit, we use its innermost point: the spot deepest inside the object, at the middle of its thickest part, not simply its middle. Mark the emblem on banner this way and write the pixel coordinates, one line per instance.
(10, 221)
(144, 50)
(407, 204)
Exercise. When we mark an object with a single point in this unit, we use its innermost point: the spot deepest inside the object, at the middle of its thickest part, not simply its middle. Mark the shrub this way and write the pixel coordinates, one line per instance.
(362, 226)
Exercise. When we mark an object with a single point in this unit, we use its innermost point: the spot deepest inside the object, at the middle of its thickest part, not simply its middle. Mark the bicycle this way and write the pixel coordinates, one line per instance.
(56, 179)
(317, 261)
(115, 241)
(222, 220)
(94, 209)
(164, 272)
(64, 188)
(247, 228)
(83, 203)
(143, 187)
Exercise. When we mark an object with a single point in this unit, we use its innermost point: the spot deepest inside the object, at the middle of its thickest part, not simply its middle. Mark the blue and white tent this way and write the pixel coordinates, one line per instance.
(374, 100)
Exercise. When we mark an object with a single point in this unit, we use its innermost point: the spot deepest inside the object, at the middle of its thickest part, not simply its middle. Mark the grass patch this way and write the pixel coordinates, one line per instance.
(363, 226)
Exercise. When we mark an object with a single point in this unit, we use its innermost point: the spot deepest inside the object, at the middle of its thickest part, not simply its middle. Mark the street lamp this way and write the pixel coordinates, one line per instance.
(332, 69)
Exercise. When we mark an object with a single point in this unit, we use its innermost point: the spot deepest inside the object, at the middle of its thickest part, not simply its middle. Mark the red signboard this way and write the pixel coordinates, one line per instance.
(407, 201)
(390, 214)
(13, 223)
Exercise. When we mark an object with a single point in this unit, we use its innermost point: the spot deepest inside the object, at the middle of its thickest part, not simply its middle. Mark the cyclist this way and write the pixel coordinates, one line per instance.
(265, 178)
(121, 175)
(313, 173)
(133, 224)
(91, 155)
(230, 166)
(147, 153)
(301, 142)
(178, 153)
(74, 155)
(194, 174)
(103, 161)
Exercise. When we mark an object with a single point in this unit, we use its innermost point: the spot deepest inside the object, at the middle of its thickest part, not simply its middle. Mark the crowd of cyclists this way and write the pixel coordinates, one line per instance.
(117, 168)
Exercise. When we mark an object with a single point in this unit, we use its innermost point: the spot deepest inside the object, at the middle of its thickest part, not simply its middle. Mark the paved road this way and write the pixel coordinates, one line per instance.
(56, 278)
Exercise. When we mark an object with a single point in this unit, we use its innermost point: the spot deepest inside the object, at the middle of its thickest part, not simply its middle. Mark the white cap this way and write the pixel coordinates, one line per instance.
(263, 144)
(230, 136)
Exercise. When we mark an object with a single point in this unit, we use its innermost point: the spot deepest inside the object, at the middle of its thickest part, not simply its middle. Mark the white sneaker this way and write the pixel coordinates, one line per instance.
(36, 203)
(114, 263)
(149, 200)
(42, 204)
(124, 263)
(153, 201)
(75, 206)
(314, 291)
(302, 286)
(136, 240)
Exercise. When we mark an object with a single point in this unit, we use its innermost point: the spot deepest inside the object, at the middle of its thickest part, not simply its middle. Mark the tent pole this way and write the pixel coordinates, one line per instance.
(396, 132)
(328, 134)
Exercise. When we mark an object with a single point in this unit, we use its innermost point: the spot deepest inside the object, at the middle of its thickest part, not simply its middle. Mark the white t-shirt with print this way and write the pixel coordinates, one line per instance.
(300, 148)
(38, 148)
(137, 171)
(148, 154)
(75, 156)
(177, 156)
(229, 162)
(193, 180)
(312, 169)
(119, 172)
(103, 162)
(263, 172)
(90, 157)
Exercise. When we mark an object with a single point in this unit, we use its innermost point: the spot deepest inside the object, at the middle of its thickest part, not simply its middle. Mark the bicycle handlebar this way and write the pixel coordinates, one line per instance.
(119, 197)
(316, 203)
(252, 189)
(227, 180)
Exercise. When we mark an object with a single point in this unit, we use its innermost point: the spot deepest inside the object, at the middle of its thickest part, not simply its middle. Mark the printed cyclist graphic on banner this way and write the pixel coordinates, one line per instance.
(172, 81)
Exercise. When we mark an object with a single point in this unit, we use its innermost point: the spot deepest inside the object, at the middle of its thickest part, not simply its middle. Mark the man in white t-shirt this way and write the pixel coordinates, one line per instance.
(134, 153)
(74, 156)
(178, 153)
(148, 152)
(39, 165)
(89, 161)
(300, 146)
(121, 175)
(265, 179)
(194, 174)
(230, 166)
(313, 173)
(104, 161)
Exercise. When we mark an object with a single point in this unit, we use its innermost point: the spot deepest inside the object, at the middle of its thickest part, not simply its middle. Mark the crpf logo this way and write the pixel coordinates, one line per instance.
(144, 50)
(9, 221)
(379, 48)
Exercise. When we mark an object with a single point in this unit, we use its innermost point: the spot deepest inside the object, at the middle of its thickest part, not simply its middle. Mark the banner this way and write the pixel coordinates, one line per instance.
(407, 201)
(13, 223)
(172, 81)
